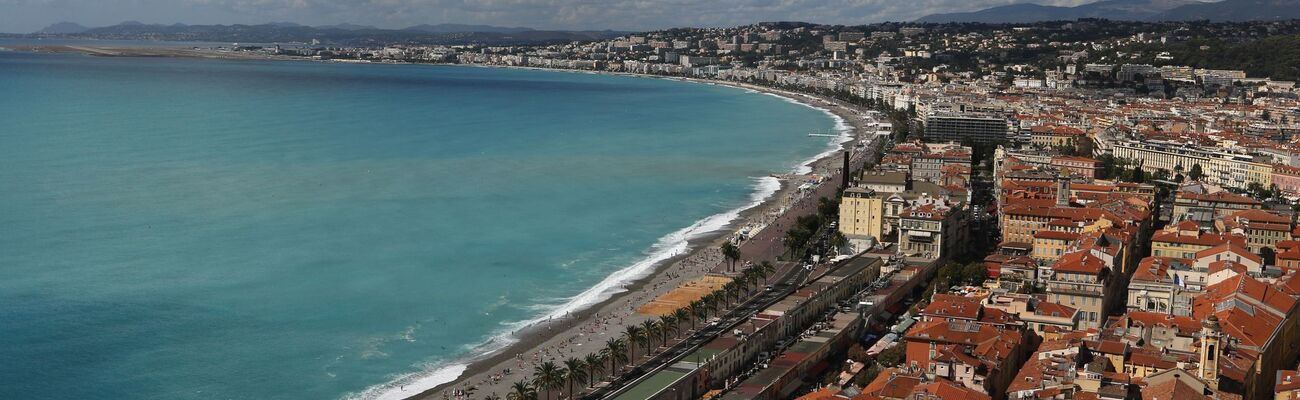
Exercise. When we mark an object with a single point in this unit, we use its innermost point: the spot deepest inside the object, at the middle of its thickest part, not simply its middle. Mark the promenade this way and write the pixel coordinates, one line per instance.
(586, 332)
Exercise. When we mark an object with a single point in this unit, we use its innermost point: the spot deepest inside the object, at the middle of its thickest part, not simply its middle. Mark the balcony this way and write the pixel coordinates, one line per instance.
(1074, 289)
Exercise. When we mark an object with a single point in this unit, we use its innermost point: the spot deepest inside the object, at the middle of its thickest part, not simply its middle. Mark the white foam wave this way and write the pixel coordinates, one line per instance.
(843, 131)
(669, 246)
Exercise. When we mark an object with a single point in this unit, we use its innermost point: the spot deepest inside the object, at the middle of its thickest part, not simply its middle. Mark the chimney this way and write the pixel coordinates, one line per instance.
(845, 171)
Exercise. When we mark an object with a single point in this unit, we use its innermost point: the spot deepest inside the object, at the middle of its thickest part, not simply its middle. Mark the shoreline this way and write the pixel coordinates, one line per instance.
(621, 292)
(481, 367)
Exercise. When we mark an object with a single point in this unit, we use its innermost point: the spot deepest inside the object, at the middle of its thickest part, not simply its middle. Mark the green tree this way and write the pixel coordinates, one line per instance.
(549, 377)
(595, 363)
(1161, 175)
(975, 273)
(667, 327)
(1196, 173)
(575, 372)
(696, 309)
(731, 253)
(1136, 175)
(522, 390)
(765, 269)
(616, 352)
(682, 315)
(892, 356)
(635, 336)
(828, 209)
(652, 330)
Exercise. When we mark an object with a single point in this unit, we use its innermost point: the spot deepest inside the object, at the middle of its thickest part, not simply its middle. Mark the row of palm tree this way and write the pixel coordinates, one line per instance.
(648, 335)
(549, 376)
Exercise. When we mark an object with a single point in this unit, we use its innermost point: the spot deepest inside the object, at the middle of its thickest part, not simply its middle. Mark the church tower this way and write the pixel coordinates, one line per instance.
(1211, 349)
(1063, 188)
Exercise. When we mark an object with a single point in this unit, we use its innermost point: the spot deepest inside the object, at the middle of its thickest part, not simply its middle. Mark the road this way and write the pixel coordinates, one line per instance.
(789, 281)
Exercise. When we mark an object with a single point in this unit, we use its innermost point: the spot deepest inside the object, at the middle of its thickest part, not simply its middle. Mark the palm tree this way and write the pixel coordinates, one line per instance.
(577, 373)
(792, 240)
(652, 329)
(683, 314)
(667, 325)
(711, 304)
(696, 308)
(522, 390)
(492, 396)
(764, 270)
(732, 254)
(595, 363)
(729, 290)
(748, 279)
(548, 377)
(616, 352)
(635, 335)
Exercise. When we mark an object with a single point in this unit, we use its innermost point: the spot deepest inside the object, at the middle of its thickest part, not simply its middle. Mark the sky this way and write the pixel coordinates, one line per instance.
(22, 16)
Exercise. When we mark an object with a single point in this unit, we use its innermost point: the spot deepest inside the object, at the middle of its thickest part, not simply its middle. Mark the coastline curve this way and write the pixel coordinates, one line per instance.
(437, 374)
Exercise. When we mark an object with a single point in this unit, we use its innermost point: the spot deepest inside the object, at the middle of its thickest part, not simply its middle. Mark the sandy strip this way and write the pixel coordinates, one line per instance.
(587, 331)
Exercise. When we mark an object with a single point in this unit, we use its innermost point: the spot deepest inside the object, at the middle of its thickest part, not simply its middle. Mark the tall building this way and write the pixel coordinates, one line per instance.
(979, 129)
(1082, 281)
(932, 229)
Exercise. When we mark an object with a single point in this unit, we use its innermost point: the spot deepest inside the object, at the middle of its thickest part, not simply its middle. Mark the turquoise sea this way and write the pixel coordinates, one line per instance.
(203, 229)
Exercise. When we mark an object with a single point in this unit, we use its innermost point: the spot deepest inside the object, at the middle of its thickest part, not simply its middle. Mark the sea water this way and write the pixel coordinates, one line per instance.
(206, 229)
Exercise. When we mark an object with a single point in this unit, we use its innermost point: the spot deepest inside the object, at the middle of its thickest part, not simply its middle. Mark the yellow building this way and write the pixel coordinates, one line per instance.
(1261, 228)
(1185, 239)
(862, 217)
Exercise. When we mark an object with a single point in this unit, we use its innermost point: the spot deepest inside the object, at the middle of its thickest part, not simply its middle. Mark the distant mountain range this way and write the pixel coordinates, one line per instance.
(1130, 10)
(63, 28)
(453, 28)
(281, 32)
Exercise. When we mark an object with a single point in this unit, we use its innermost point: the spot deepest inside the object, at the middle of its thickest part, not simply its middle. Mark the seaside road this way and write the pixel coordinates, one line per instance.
(769, 243)
(759, 300)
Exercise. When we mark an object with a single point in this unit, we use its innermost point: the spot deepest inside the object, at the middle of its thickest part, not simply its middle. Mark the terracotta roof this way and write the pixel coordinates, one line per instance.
(1248, 309)
(823, 394)
(1170, 390)
(1203, 239)
(891, 383)
(949, 390)
(1287, 380)
(1219, 197)
(1221, 265)
(1151, 359)
(1156, 269)
(1186, 326)
(1050, 309)
(1229, 248)
(1079, 262)
(950, 306)
(1262, 216)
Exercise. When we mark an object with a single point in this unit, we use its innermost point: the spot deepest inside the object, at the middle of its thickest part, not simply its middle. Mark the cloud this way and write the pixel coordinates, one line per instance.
(545, 14)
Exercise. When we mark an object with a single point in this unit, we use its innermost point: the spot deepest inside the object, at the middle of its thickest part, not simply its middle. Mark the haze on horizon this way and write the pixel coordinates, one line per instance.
(25, 16)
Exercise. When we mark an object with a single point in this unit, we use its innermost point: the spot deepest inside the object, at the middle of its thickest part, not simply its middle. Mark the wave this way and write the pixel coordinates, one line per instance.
(843, 131)
(668, 246)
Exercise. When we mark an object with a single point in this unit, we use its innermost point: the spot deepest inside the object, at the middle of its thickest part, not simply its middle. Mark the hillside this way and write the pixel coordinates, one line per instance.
(1126, 10)
(1235, 11)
